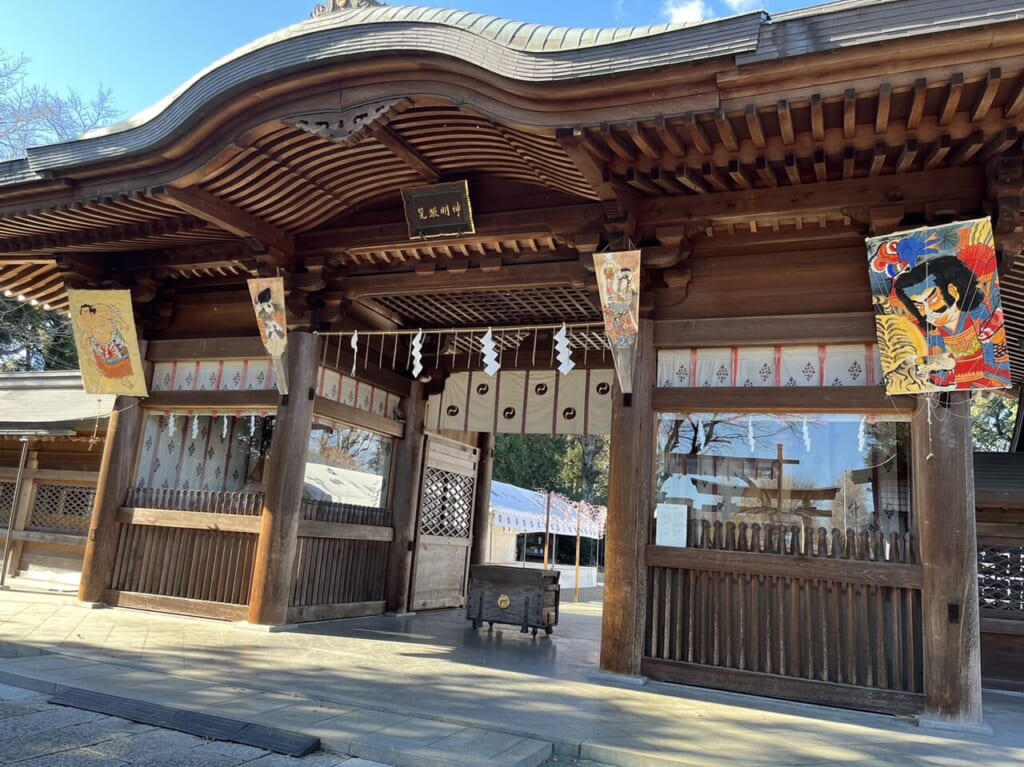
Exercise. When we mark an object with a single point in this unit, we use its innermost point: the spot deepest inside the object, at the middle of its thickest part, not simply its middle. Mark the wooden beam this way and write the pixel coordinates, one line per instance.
(845, 328)
(878, 160)
(849, 113)
(408, 465)
(969, 147)
(120, 450)
(833, 197)
(817, 117)
(793, 399)
(629, 516)
(405, 152)
(642, 140)
(884, 105)
(739, 175)
(999, 143)
(820, 166)
(353, 416)
(518, 224)
(755, 126)
(949, 106)
(849, 156)
(691, 180)
(667, 181)
(725, 130)
(786, 123)
(618, 147)
(521, 276)
(907, 155)
(792, 170)
(188, 520)
(279, 521)
(641, 182)
(765, 172)
(698, 137)
(992, 81)
(942, 473)
(221, 401)
(175, 350)
(213, 209)
(938, 152)
(344, 531)
(714, 177)
(669, 137)
(1015, 103)
(917, 105)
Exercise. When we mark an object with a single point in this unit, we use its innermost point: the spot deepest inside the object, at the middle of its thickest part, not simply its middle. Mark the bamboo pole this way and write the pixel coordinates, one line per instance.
(576, 596)
(547, 529)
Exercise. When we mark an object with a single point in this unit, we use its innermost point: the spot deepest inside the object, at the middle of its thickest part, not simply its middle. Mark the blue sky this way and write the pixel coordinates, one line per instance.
(145, 49)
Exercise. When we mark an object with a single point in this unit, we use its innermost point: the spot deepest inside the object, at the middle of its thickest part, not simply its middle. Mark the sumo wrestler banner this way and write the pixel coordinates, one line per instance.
(108, 349)
(618, 282)
(937, 309)
(268, 302)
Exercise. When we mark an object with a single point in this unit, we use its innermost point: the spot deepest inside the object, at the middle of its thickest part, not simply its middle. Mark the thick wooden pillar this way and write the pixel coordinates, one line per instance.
(405, 500)
(481, 548)
(117, 466)
(279, 524)
(629, 510)
(944, 503)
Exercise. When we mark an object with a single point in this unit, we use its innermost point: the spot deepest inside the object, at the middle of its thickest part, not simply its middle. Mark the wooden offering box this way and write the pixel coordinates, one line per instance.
(522, 596)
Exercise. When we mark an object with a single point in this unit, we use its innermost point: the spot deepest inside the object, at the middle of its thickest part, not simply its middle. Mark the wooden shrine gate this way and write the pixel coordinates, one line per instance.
(834, 618)
(444, 532)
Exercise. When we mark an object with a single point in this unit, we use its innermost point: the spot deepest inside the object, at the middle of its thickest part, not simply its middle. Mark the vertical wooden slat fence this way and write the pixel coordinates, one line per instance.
(186, 551)
(815, 609)
(341, 561)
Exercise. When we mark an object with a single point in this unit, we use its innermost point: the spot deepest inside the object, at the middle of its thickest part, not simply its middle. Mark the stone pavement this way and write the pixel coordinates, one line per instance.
(426, 690)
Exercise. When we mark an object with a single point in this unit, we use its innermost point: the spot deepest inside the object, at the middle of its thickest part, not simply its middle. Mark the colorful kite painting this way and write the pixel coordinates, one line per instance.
(108, 348)
(937, 309)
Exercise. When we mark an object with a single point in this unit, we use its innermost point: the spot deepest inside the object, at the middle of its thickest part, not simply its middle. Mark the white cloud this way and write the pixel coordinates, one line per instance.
(686, 11)
(742, 6)
(619, 10)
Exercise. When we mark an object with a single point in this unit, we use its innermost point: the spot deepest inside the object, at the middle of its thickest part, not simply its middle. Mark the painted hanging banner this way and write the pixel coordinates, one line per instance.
(108, 349)
(937, 309)
(618, 282)
(268, 302)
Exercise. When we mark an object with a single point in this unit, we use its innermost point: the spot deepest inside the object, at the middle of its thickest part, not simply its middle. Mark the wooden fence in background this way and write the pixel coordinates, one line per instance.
(823, 616)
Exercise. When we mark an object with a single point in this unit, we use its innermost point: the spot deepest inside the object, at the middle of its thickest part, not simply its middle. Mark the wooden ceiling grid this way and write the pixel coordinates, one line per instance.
(482, 308)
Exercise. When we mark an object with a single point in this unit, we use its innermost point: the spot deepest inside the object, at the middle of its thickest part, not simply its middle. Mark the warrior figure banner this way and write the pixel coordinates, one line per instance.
(268, 302)
(937, 309)
(108, 349)
(618, 282)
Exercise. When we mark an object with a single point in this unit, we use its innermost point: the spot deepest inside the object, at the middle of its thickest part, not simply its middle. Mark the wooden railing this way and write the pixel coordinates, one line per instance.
(812, 608)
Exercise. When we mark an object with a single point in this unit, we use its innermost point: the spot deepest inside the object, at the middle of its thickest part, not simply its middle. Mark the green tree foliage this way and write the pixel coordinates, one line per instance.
(576, 467)
(993, 417)
(33, 338)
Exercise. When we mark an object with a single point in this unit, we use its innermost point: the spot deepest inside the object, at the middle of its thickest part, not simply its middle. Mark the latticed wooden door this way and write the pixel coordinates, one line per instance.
(445, 525)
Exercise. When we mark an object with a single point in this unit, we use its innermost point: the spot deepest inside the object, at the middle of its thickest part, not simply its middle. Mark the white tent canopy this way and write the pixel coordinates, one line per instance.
(525, 511)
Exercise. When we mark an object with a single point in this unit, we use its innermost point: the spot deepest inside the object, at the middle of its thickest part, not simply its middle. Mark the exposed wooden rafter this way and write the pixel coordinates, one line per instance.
(211, 208)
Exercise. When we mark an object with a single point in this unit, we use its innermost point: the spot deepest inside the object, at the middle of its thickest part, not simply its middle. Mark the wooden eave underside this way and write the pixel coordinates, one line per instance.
(758, 156)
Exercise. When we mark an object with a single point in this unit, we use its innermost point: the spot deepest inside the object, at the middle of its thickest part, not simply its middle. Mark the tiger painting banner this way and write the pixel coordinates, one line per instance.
(618, 283)
(105, 339)
(938, 313)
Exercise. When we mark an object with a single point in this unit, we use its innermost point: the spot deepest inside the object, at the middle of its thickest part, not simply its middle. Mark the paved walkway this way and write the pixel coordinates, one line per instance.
(427, 691)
